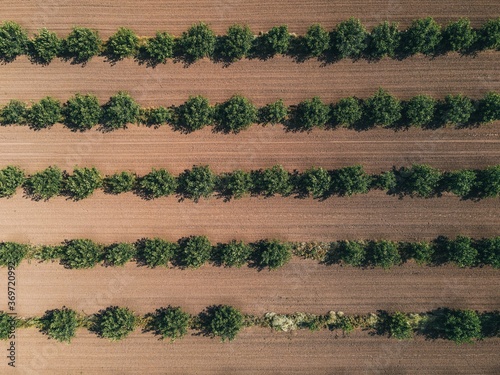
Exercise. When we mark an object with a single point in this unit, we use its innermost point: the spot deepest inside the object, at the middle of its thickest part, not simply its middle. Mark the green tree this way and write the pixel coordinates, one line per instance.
(237, 43)
(158, 183)
(82, 183)
(6, 324)
(399, 326)
(456, 109)
(235, 184)
(459, 36)
(235, 115)
(349, 252)
(490, 34)
(223, 321)
(462, 252)
(196, 43)
(13, 41)
(272, 254)
(156, 116)
(232, 254)
(460, 182)
(383, 108)
(158, 49)
(461, 326)
(169, 322)
(81, 253)
(350, 39)
(315, 182)
(44, 47)
(420, 110)
(385, 181)
(488, 182)
(155, 252)
(490, 251)
(384, 40)
(44, 114)
(12, 253)
(197, 183)
(351, 180)
(421, 252)
(13, 113)
(316, 40)
(347, 112)
(194, 251)
(273, 113)
(489, 107)
(118, 254)
(120, 110)
(82, 44)
(275, 42)
(45, 184)
(10, 179)
(423, 36)
(60, 324)
(114, 323)
(124, 43)
(420, 180)
(311, 113)
(194, 114)
(119, 183)
(272, 181)
(82, 112)
(384, 254)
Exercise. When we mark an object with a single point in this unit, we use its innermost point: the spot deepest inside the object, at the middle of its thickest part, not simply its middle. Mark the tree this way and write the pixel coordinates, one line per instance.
(490, 324)
(272, 181)
(489, 107)
(460, 182)
(421, 252)
(124, 43)
(459, 36)
(235, 184)
(194, 114)
(10, 179)
(311, 113)
(347, 112)
(44, 114)
(351, 180)
(384, 254)
(82, 112)
(44, 47)
(114, 323)
(12, 253)
(45, 184)
(420, 110)
(461, 326)
(81, 253)
(232, 254)
(385, 181)
(423, 36)
(194, 251)
(158, 49)
(490, 34)
(169, 322)
(120, 110)
(236, 44)
(82, 183)
(13, 113)
(82, 44)
(7, 322)
(384, 40)
(13, 41)
(456, 109)
(316, 40)
(196, 43)
(118, 254)
(462, 252)
(383, 109)
(235, 115)
(488, 182)
(350, 252)
(158, 183)
(275, 42)
(155, 252)
(60, 324)
(420, 180)
(272, 254)
(119, 183)
(197, 183)
(490, 251)
(156, 116)
(315, 182)
(273, 113)
(399, 326)
(223, 321)
(350, 39)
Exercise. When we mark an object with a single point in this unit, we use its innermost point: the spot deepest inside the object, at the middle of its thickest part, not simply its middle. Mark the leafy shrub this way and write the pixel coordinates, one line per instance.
(421, 252)
(273, 113)
(459, 35)
(196, 43)
(419, 180)
(272, 254)
(13, 113)
(347, 112)
(49, 252)
(82, 112)
(13, 41)
(197, 183)
(156, 116)
(169, 322)
(311, 113)
(155, 252)
(383, 109)
(194, 251)
(384, 40)
(119, 111)
(235, 115)
(275, 42)
(352, 253)
(272, 181)
(60, 324)
(237, 43)
(44, 114)
(460, 182)
(82, 44)
(194, 114)
(488, 182)
(420, 110)
(223, 321)
(45, 184)
(114, 323)
(461, 326)
(384, 254)
(399, 327)
(385, 181)
(118, 254)
(315, 182)
(81, 253)
(44, 47)
(490, 34)
(124, 43)
(82, 183)
(119, 183)
(423, 36)
(316, 40)
(456, 109)
(351, 180)
(10, 179)
(350, 39)
(232, 254)
(462, 252)
(158, 183)
(235, 184)
(490, 251)
(158, 49)
(12, 253)
(489, 107)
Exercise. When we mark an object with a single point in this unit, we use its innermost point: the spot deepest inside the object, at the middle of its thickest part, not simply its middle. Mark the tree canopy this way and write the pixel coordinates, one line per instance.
(235, 115)
(158, 183)
(120, 110)
(60, 324)
(194, 251)
(82, 112)
(82, 44)
(44, 114)
(13, 41)
(81, 253)
(45, 184)
(169, 322)
(114, 323)
(82, 183)
(197, 42)
(350, 39)
(124, 43)
(199, 182)
(236, 44)
(223, 321)
(44, 47)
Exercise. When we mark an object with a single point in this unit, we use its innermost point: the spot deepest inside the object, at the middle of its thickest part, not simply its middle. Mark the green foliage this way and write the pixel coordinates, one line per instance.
(198, 42)
(311, 113)
(275, 42)
(194, 251)
(456, 109)
(197, 183)
(119, 111)
(44, 114)
(423, 36)
(45, 184)
(384, 254)
(383, 108)
(10, 179)
(420, 110)
(399, 326)
(236, 114)
(461, 182)
(351, 180)
(420, 180)
(158, 49)
(82, 44)
(316, 40)
(169, 322)
(315, 182)
(490, 324)
(81, 253)
(48, 252)
(461, 326)
(273, 113)
(384, 40)
(60, 324)
(488, 182)
(156, 116)
(223, 321)
(349, 252)
(6, 323)
(459, 35)
(421, 252)
(12, 253)
(272, 181)
(82, 112)
(489, 107)
(347, 112)
(123, 43)
(385, 181)
(490, 251)
(235, 184)
(350, 39)
(237, 43)
(119, 183)
(13, 113)
(82, 183)
(490, 34)
(155, 252)
(462, 252)
(272, 254)
(157, 183)
(114, 323)
(118, 254)
(44, 47)
(194, 114)
(13, 41)
(232, 254)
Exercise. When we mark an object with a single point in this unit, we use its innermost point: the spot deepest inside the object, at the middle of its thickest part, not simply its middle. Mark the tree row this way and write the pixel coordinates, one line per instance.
(195, 251)
(225, 322)
(350, 39)
(83, 112)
